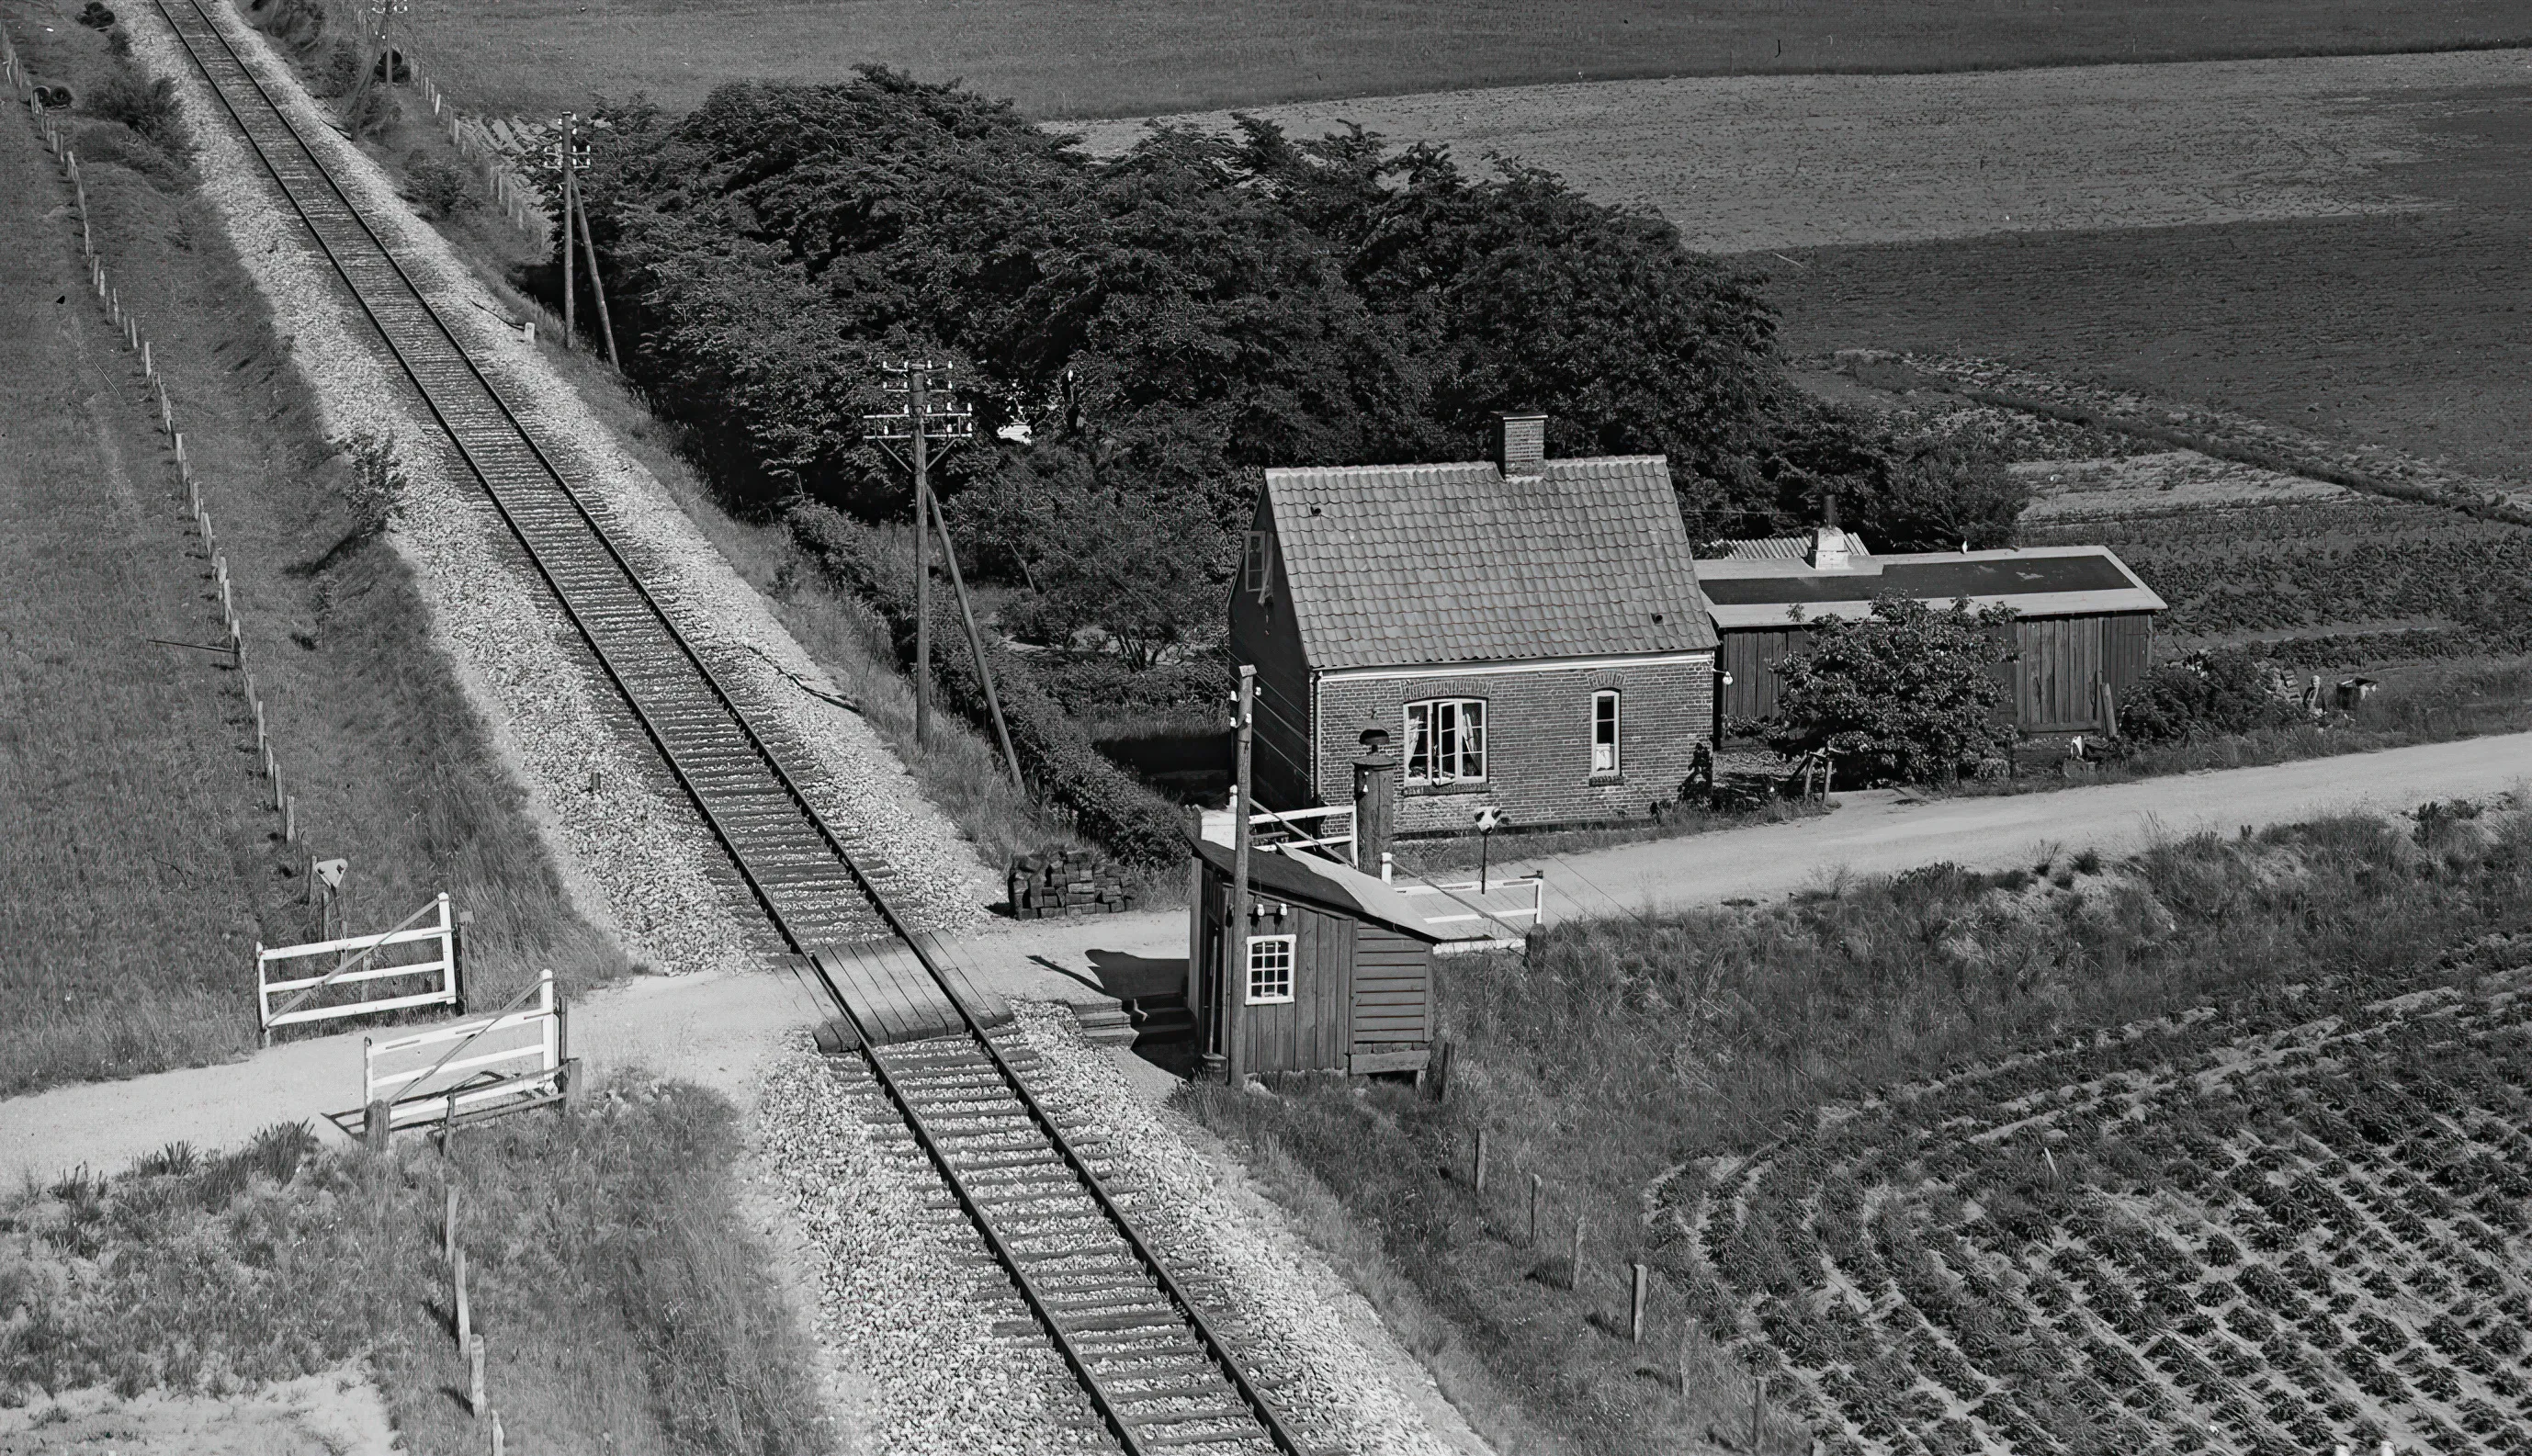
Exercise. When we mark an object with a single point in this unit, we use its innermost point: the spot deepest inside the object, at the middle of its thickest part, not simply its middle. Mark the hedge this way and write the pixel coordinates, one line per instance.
(1063, 768)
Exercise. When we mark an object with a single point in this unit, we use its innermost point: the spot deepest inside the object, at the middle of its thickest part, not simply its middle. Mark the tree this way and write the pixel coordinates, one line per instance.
(1909, 691)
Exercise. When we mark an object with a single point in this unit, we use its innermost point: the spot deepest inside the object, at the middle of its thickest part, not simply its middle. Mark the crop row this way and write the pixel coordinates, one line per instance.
(2267, 1242)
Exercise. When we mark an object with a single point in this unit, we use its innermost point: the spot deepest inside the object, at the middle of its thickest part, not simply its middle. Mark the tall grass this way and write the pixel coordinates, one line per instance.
(1618, 1049)
(625, 1304)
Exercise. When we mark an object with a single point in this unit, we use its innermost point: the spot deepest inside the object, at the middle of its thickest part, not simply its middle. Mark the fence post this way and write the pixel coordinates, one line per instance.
(1479, 1173)
(457, 959)
(475, 1391)
(465, 1326)
(290, 819)
(373, 1121)
(496, 1434)
(1537, 1190)
(1573, 1271)
(448, 1229)
(1636, 1310)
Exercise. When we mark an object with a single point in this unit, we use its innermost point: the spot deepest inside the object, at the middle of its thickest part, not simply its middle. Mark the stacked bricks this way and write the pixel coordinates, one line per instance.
(1071, 882)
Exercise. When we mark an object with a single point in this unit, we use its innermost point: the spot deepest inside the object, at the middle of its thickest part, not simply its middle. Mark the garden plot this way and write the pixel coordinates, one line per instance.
(2264, 1231)
(2166, 481)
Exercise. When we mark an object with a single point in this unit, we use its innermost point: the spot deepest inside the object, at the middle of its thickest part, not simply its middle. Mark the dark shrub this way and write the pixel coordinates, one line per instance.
(439, 188)
(2224, 692)
(148, 107)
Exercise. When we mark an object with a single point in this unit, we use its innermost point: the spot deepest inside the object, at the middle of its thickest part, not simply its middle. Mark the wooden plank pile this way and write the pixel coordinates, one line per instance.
(1069, 882)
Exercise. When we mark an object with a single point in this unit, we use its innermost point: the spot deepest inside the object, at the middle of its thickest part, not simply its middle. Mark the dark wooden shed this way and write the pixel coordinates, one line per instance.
(1331, 971)
(2082, 631)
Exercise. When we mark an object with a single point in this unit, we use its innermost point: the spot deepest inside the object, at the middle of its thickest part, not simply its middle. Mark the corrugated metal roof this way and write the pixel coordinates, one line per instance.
(1401, 565)
(1780, 548)
(2034, 582)
(1341, 888)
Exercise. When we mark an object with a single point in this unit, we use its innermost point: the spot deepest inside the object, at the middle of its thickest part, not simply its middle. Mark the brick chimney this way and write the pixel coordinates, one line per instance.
(1518, 443)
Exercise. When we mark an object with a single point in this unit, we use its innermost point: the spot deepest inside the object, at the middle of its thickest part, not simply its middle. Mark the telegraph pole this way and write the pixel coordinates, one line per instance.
(1235, 955)
(384, 62)
(570, 156)
(917, 426)
(560, 157)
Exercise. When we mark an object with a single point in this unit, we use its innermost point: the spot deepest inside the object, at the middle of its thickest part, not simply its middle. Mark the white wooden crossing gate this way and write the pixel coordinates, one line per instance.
(1498, 917)
(423, 950)
(459, 1072)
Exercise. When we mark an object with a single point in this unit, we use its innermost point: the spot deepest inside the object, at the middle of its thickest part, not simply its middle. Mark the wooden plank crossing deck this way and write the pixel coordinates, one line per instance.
(894, 999)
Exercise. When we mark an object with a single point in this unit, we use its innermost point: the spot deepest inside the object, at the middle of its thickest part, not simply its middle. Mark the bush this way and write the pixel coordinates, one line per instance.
(148, 107)
(2226, 690)
(1909, 692)
(438, 187)
(376, 487)
(1105, 803)
(299, 25)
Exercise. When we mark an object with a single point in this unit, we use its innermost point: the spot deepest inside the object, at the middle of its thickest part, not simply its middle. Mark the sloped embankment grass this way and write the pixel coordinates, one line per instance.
(138, 867)
(1957, 1160)
(625, 1305)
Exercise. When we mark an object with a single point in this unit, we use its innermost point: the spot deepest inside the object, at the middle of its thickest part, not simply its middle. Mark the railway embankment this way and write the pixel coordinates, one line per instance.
(613, 818)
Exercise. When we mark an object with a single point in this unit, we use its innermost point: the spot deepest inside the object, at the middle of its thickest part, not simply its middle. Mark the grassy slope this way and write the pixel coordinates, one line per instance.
(620, 1294)
(1623, 1048)
(170, 880)
(1102, 58)
(2407, 331)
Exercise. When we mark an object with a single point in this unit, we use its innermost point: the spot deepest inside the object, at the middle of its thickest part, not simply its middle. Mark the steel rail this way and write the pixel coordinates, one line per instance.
(1270, 1421)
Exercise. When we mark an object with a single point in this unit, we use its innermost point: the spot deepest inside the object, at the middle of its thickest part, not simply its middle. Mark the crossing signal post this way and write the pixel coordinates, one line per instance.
(928, 420)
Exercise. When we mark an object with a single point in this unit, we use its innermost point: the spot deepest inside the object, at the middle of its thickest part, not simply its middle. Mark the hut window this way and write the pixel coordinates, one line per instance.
(1604, 733)
(1259, 550)
(1270, 969)
(1445, 740)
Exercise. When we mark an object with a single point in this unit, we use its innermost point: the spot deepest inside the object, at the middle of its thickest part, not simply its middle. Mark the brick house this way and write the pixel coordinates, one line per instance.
(1527, 630)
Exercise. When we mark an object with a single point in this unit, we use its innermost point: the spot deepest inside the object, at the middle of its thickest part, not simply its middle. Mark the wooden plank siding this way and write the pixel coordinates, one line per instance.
(2050, 684)
(1314, 1031)
(1392, 989)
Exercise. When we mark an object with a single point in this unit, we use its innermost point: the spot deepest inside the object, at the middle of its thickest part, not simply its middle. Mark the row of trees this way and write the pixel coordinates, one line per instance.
(1161, 323)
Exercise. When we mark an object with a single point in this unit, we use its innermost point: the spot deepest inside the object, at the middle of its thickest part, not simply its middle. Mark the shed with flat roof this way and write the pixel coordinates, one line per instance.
(2083, 627)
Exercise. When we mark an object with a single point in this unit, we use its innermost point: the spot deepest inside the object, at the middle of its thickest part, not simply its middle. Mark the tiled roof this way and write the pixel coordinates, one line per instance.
(1404, 565)
(2034, 582)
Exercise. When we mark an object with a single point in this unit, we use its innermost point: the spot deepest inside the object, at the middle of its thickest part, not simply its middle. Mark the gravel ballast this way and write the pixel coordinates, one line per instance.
(910, 1298)
(611, 815)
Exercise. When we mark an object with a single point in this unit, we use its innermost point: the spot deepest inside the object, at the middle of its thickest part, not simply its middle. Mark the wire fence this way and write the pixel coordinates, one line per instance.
(133, 339)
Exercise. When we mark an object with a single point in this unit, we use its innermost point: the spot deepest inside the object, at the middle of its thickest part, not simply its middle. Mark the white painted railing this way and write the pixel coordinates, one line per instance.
(357, 961)
(515, 1058)
(1508, 909)
(1328, 831)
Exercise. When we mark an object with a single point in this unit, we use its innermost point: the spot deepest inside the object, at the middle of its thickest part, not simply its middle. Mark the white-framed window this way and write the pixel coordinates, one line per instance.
(1445, 740)
(1261, 550)
(1270, 969)
(1604, 731)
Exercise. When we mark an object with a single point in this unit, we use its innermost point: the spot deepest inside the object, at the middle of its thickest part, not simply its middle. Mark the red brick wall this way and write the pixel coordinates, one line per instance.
(1538, 740)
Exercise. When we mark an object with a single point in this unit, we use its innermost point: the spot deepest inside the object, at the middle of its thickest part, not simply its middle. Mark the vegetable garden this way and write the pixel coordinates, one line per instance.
(2265, 1230)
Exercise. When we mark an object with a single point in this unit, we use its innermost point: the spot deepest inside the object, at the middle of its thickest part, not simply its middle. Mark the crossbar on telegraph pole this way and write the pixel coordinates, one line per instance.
(909, 432)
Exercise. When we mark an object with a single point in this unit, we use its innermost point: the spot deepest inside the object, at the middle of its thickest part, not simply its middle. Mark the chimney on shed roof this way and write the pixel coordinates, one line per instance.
(1829, 548)
(1518, 443)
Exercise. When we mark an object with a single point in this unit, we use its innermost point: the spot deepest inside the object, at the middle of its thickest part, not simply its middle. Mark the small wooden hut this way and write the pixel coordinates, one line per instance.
(1331, 969)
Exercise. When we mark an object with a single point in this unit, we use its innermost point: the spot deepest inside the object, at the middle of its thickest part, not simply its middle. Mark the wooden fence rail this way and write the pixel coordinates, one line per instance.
(357, 961)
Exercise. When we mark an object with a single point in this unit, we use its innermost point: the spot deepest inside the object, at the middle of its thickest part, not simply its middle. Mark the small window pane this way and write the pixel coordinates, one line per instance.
(1604, 733)
(1473, 740)
(1270, 969)
(1419, 743)
(1257, 550)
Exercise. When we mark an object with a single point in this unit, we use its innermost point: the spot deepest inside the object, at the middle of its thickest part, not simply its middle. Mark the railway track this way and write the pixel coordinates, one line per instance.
(1134, 1335)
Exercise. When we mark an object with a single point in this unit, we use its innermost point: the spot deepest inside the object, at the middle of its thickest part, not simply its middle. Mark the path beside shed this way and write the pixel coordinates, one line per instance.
(719, 1028)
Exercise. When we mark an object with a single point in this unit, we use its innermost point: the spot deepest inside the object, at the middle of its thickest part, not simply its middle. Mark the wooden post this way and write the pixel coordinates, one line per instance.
(918, 397)
(374, 1124)
(1234, 950)
(1537, 1193)
(496, 1434)
(290, 819)
(976, 644)
(1635, 1306)
(1757, 1407)
(448, 1229)
(1573, 1269)
(606, 322)
(465, 1324)
(475, 1390)
(1441, 1073)
(1477, 1173)
(457, 959)
(570, 200)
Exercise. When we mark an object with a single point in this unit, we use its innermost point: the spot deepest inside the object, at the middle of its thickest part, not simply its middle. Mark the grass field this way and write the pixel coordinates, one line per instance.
(622, 1296)
(2408, 330)
(1073, 58)
(138, 872)
(2211, 1150)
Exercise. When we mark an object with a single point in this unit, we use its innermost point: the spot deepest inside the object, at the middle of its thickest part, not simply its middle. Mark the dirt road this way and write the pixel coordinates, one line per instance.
(719, 1028)
(1880, 833)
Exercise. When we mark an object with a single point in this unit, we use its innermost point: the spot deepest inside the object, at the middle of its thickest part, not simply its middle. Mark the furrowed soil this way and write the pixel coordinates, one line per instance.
(1070, 58)
(140, 864)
